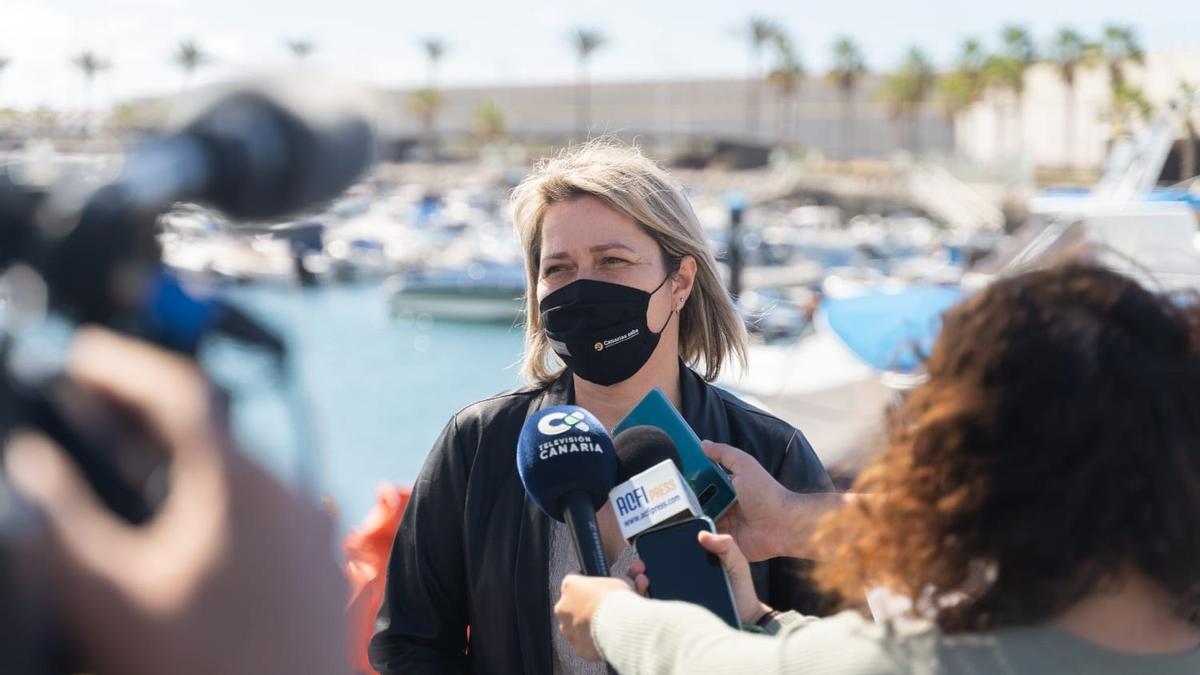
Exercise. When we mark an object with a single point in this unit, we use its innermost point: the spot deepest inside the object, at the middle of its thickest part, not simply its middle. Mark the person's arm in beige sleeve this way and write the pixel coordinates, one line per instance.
(636, 635)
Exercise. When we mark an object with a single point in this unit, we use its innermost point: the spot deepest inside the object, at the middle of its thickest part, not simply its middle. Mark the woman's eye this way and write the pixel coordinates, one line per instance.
(613, 261)
(553, 269)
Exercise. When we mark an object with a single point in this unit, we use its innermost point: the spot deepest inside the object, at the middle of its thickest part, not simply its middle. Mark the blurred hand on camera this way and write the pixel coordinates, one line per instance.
(234, 574)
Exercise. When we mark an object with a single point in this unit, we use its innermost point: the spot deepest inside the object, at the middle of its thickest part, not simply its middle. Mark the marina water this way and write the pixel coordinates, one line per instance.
(379, 388)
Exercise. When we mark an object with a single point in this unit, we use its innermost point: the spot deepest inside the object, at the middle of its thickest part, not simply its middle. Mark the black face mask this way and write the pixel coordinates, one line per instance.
(599, 329)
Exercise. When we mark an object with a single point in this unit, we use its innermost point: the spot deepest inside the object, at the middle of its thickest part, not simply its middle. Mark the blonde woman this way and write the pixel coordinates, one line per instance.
(612, 248)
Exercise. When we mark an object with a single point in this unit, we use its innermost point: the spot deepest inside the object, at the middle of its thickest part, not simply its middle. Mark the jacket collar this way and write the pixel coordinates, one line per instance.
(701, 404)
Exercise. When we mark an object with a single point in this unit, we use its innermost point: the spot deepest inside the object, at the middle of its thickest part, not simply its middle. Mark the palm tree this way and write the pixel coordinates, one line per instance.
(90, 65)
(1128, 104)
(1119, 47)
(489, 121)
(786, 76)
(1002, 77)
(905, 91)
(963, 86)
(429, 101)
(758, 32)
(971, 60)
(848, 69)
(1018, 50)
(1068, 53)
(300, 48)
(189, 57)
(585, 41)
(954, 94)
(435, 51)
(1005, 73)
(425, 104)
(971, 63)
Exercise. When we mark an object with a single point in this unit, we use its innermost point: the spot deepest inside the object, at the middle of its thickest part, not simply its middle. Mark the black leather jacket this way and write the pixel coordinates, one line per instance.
(473, 550)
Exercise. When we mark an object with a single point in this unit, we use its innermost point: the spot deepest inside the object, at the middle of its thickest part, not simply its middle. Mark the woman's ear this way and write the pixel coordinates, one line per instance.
(685, 277)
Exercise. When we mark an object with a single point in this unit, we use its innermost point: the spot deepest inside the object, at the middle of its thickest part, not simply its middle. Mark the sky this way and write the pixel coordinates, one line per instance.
(500, 41)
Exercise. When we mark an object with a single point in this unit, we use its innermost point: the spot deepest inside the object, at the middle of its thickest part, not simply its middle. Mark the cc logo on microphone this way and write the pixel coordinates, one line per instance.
(599, 346)
(560, 423)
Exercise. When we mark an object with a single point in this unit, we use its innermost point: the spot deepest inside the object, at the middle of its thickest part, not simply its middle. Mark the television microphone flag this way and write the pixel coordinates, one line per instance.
(652, 498)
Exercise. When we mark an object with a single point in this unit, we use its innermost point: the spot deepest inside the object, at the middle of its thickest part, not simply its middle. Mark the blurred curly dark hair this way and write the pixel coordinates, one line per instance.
(1055, 443)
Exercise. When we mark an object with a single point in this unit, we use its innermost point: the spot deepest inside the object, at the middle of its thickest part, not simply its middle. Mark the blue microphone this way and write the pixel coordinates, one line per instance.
(567, 464)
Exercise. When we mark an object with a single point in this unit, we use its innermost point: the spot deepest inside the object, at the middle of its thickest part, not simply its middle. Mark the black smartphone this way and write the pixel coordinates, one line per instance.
(680, 569)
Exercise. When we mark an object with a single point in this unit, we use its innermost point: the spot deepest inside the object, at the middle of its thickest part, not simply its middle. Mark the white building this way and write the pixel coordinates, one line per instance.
(673, 113)
(1061, 130)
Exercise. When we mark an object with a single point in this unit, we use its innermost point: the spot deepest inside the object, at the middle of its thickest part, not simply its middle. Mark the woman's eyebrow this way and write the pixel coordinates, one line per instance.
(598, 248)
(606, 247)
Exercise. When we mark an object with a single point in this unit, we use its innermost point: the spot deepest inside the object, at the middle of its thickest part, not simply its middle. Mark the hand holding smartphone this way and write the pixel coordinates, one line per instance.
(680, 569)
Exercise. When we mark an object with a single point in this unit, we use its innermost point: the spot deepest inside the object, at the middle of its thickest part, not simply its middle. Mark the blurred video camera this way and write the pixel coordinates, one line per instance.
(251, 153)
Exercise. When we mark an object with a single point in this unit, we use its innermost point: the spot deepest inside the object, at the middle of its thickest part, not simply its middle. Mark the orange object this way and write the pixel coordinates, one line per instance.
(367, 549)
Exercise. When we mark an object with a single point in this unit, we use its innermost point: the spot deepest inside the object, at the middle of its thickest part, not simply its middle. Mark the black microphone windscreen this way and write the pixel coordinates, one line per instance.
(266, 159)
(641, 447)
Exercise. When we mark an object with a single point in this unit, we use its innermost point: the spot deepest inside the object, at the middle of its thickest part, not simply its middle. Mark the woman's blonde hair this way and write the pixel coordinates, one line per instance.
(710, 330)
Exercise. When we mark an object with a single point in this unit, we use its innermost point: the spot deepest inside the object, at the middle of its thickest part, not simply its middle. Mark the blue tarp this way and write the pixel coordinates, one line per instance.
(1155, 195)
(1174, 195)
(891, 330)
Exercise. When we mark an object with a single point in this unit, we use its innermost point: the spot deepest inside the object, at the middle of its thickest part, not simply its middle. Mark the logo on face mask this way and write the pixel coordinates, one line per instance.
(618, 340)
(560, 423)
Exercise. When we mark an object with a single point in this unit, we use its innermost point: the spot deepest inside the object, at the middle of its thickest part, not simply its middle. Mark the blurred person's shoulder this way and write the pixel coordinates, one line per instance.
(1048, 648)
(853, 643)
